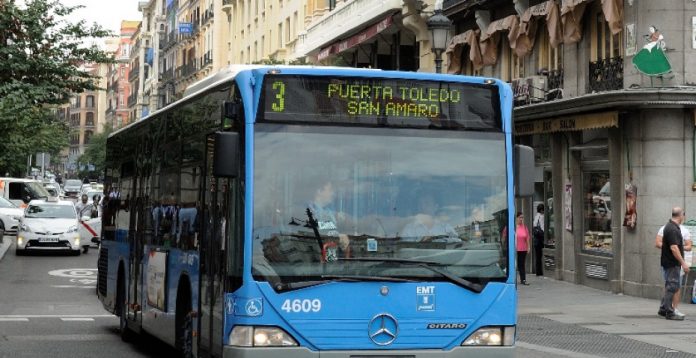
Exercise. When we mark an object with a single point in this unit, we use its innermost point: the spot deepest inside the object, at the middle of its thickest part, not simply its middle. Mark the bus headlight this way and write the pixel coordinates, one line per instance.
(491, 336)
(257, 336)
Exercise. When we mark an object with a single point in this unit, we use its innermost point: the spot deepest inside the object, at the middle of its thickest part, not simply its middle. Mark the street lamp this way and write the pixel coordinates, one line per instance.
(439, 26)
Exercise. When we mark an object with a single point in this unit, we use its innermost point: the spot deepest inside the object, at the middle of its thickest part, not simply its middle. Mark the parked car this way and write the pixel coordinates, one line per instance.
(49, 224)
(54, 190)
(9, 216)
(72, 187)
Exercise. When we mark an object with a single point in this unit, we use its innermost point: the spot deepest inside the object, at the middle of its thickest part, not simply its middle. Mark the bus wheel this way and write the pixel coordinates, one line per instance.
(184, 327)
(126, 333)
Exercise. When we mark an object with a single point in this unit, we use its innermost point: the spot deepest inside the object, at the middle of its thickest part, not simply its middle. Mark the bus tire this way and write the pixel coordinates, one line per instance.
(184, 322)
(125, 332)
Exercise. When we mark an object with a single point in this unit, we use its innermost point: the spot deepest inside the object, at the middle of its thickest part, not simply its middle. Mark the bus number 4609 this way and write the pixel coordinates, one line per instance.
(305, 306)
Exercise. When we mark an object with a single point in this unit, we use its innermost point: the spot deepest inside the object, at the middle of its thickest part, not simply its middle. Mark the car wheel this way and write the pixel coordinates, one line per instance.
(76, 253)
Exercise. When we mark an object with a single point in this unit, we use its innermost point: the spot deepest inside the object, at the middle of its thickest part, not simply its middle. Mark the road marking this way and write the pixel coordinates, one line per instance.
(561, 352)
(27, 316)
(75, 273)
(64, 337)
(71, 286)
(77, 319)
(14, 319)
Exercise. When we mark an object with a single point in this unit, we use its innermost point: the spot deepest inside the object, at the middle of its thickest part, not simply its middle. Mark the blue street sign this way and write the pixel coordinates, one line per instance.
(185, 27)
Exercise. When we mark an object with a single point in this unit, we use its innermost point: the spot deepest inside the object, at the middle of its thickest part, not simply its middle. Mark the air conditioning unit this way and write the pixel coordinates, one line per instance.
(529, 89)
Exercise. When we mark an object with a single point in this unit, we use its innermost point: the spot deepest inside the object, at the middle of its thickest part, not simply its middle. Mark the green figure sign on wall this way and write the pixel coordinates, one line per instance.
(651, 59)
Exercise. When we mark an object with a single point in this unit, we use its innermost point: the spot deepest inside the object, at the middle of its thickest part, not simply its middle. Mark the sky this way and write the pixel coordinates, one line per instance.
(107, 13)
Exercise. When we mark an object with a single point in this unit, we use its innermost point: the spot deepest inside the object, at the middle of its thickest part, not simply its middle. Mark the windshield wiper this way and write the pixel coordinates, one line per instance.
(429, 265)
(290, 286)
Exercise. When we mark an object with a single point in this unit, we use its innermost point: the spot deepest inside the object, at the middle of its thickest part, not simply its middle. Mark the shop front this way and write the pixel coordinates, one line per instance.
(574, 178)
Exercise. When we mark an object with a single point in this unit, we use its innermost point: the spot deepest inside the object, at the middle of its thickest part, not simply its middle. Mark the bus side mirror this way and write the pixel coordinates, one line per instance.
(226, 155)
(524, 170)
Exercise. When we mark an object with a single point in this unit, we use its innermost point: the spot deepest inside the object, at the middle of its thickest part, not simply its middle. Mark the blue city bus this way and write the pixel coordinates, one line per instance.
(282, 211)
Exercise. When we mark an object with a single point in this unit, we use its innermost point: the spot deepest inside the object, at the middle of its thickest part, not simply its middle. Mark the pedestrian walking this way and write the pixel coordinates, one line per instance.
(671, 260)
(522, 247)
(538, 234)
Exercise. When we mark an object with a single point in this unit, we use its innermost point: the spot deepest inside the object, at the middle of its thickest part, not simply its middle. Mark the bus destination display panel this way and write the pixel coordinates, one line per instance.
(381, 101)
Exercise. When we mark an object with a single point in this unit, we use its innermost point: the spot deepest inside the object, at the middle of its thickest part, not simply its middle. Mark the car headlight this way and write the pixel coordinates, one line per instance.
(20, 240)
(491, 336)
(72, 229)
(257, 336)
(24, 227)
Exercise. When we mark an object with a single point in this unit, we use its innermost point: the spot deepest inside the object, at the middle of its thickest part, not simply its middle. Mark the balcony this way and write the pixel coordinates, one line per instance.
(132, 100)
(167, 75)
(133, 74)
(227, 5)
(207, 17)
(207, 59)
(168, 40)
(606, 75)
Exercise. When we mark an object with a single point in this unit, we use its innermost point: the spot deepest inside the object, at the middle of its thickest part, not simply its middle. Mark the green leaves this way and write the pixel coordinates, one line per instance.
(41, 53)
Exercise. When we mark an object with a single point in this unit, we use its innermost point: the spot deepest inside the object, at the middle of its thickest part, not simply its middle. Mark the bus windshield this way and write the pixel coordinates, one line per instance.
(332, 202)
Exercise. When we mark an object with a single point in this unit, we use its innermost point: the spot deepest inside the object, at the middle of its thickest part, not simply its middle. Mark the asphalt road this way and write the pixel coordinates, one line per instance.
(49, 308)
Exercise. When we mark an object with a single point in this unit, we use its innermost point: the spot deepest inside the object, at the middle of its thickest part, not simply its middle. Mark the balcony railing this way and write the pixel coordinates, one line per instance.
(133, 74)
(207, 59)
(132, 100)
(207, 16)
(227, 5)
(606, 75)
(167, 75)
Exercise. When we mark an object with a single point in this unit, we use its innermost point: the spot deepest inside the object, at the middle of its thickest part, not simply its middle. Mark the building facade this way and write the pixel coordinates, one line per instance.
(83, 117)
(118, 86)
(151, 31)
(608, 105)
(390, 35)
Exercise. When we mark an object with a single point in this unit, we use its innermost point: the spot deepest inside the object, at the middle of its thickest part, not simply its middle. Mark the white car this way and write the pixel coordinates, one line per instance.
(9, 216)
(49, 224)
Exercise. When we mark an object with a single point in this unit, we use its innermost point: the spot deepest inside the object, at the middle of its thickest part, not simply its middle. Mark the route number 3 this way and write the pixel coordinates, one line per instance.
(297, 306)
(279, 104)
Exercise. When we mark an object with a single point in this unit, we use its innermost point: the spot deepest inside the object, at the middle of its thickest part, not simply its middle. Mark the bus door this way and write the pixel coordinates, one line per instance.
(215, 225)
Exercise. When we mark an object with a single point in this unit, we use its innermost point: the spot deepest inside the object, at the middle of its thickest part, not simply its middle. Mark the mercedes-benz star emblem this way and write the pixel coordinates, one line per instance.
(383, 329)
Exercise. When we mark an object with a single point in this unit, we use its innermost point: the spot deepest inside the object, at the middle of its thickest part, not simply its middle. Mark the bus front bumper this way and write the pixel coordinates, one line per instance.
(300, 352)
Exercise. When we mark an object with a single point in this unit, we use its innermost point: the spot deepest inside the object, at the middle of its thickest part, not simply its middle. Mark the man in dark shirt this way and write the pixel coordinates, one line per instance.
(672, 261)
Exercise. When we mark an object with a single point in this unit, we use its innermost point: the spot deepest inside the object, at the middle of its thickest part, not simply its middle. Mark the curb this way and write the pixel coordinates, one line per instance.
(4, 247)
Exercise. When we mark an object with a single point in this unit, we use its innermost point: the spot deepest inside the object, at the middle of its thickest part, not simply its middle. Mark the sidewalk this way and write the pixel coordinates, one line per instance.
(557, 318)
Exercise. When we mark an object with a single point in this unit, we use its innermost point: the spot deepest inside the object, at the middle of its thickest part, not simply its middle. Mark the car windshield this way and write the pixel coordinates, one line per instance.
(52, 211)
(341, 195)
(4, 203)
(73, 182)
(36, 190)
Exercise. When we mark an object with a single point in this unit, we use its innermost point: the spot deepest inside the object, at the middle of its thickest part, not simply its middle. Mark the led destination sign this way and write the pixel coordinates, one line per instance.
(380, 101)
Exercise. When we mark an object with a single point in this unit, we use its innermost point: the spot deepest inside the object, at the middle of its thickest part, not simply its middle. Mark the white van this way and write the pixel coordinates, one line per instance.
(21, 191)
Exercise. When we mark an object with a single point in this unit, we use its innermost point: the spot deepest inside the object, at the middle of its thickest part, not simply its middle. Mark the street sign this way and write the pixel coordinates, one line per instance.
(185, 27)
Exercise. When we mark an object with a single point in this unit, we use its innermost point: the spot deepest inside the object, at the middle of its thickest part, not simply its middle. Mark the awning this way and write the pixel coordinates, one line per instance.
(570, 123)
(355, 40)
(456, 47)
(613, 13)
(488, 42)
(571, 19)
(526, 34)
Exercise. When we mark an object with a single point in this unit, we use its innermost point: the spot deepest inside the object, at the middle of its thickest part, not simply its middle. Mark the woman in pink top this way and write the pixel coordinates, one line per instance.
(522, 246)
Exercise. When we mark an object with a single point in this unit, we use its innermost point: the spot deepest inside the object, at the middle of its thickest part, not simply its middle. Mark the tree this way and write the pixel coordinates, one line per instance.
(41, 56)
(95, 154)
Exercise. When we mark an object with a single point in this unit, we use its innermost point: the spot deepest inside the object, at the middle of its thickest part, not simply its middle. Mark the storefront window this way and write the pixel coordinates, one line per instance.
(597, 212)
(549, 229)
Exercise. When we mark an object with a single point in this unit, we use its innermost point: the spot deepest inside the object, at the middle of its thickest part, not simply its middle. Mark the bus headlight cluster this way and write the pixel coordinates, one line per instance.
(258, 336)
(491, 336)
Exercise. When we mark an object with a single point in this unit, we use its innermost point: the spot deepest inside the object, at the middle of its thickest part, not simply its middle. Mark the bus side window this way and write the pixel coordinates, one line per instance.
(16, 191)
